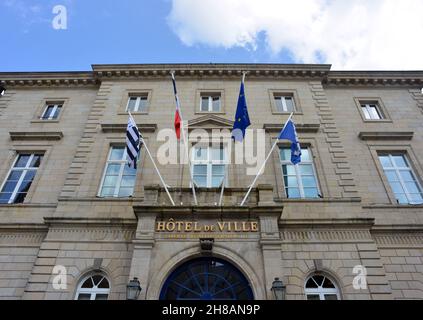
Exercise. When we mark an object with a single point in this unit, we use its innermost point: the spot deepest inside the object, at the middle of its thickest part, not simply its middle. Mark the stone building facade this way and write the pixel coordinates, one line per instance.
(354, 204)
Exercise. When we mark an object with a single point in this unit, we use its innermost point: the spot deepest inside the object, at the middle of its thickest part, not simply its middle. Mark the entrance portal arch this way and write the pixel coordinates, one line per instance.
(206, 278)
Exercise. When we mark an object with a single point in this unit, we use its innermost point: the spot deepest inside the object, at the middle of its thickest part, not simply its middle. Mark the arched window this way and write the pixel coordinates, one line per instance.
(320, 287)
(93, 287)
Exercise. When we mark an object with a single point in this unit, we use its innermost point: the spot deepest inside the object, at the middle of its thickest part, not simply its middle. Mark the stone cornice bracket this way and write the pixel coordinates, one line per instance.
(287, 71)
(385, 135)
(47, 79)
(301, 127)
(121, 127)
(31, 136)
(374, 78)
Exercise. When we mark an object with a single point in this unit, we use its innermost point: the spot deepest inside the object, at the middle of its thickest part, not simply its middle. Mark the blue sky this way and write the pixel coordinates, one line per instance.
(356, 34)
(106, 31)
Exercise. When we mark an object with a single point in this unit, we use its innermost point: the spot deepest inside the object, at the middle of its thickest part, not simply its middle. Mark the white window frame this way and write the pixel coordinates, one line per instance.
(210, 163)
(282, 98)
(320, 291)
(123, 162)
(92, 291)
(397, 172)
(297, 172)
(51, 116)
(138, 102)
(24, 169)
(366, 108)
(210, 105)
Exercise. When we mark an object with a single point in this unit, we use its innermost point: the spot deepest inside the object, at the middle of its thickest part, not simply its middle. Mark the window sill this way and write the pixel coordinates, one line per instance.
(393, 206)
(377, 121)
(44, 121)
(133, 113)
(210, 112)
(317, 200)
(287, 113)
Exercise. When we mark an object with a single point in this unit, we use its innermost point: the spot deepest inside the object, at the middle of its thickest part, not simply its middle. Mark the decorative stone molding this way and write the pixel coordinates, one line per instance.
(301, 127)
(121, 127)
(210, 122)
(47, 79)
(389, 240)
(135, 71)
(374, 78)
(40, 135)
(22, 235)
(385, 135)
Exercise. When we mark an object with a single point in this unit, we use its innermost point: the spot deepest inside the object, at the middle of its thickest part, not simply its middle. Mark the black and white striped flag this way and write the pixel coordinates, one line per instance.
(133, 137)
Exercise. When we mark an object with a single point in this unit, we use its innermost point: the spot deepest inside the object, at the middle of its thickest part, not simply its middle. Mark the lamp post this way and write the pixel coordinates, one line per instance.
(278, 289)
(133, 289)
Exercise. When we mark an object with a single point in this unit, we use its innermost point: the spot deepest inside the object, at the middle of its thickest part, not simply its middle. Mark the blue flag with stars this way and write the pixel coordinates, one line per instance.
(242, 120)
(290, 133)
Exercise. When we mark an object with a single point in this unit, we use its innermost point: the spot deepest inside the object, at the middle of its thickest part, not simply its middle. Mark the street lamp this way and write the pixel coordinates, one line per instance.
(133, 289)
(278, 289)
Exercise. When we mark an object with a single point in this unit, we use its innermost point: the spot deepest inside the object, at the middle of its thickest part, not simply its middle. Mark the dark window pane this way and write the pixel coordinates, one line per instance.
(311, 284)
(101, 296)
(313, 297)
(84, 296)
(57, 112)
(15, 175)
(22, 160)
(319, 279)
(9, 186)
(20, 197)
(35, 163)
(104, 284)
(88, 283)
(204, 103)
(331, 297)
(25, 185)
(328, 284)
(5, 197)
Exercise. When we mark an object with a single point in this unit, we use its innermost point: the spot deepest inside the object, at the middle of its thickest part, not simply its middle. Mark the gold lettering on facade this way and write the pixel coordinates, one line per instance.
(220, 226)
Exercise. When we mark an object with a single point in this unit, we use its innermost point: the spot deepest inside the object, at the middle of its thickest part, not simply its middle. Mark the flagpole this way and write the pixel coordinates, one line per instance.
(223, 188)
(264, 164)
(155, 166)
(186, 144)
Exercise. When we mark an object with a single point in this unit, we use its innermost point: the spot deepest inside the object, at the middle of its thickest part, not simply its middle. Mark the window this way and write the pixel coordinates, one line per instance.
(19, 180)
(93, 287)
(119, 179)
(284, 103)
(52, 111)
(300, 180)
(210, 103)
(209, 165)
(402, 179)
(320, 287)
(371, 111)
(137, 103)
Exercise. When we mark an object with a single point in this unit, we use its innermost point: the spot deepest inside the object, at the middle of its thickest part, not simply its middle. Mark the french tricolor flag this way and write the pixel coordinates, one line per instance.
(178, 110)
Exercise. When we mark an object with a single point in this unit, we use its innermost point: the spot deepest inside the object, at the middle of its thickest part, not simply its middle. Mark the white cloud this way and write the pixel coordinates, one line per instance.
(355, 34)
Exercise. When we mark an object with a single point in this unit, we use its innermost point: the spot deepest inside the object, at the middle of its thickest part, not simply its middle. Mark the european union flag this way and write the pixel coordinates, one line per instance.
(242, 120)
(290, 133)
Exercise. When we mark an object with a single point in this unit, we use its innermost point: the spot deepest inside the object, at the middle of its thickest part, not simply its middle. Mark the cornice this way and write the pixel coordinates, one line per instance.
(210, 71)
(385, 135)
(374, 78)
(47, 79)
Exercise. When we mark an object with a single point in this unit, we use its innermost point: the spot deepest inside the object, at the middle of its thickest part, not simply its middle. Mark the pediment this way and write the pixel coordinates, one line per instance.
(210, 122)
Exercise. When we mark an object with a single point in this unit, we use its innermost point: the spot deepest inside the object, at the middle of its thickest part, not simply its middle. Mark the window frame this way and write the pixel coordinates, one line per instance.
(138, 97)
(282, 98)
(285, 92)
(200, 93)
(322, 292)
(380, 107)
(122, 164)
(55, 107)
(397, 171)
(209, 163)
(210, 97)
(92, 291)
(21, 178)
(297, 172)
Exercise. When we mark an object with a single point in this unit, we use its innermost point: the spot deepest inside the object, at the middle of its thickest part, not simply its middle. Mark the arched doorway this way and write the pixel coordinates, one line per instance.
(206, 278)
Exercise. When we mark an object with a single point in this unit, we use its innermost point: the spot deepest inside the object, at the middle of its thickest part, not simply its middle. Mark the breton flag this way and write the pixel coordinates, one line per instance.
(242, 119)
(289, 132)
(177, 112)
(133, 138)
